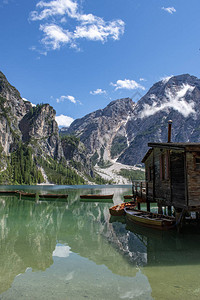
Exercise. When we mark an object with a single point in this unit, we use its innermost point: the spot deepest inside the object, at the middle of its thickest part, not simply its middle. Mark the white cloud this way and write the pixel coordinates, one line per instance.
(63, 120)
(127, 84)
(88, 26)
(55, 36)
(98, 92)
(143, 79)
(70, 98)
(170, 10)
(172, 99)
(54, 8)
(61, 251)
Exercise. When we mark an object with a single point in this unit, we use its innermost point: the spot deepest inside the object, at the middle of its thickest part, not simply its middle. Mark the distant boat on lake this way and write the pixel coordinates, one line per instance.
(95, 196)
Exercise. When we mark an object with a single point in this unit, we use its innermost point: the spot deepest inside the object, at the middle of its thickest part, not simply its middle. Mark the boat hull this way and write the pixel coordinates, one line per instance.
(8, 192)
(96, 196)
(53, 196)
(118, 210)
(128, 196)
(27, 195)
(152, 220)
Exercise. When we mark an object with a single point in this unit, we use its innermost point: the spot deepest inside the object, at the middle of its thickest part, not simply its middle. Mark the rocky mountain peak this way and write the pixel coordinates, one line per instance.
(21, 121)
(8, 91)
(14, 103)
(179, 93)
(123, 128)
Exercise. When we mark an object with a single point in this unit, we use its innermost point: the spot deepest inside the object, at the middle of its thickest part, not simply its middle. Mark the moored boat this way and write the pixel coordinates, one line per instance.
(118, 210)
(128, 196)
(150, 219)
(30, 195)
(52, 196)
(95, 196)
(8, 192)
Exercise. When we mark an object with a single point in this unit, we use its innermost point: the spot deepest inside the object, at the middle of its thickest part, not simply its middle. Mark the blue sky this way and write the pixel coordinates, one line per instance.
(80, 55)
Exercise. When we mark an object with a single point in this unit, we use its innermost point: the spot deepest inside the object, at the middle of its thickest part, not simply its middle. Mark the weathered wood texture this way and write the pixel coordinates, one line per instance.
(162, 179)
(173, 174)
(193, 178)
(157, 176)
(178, 178)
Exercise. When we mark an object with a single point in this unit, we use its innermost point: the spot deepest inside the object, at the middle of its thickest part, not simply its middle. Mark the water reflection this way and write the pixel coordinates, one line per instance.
(30, 233)
(39, 235)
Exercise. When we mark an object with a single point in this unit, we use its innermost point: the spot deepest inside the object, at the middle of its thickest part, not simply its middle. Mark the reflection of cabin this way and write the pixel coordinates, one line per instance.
(173, 175)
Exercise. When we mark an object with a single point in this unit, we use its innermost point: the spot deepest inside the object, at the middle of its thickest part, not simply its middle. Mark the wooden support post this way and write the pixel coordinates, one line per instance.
(165, 210)
(148, 205)
(169, 210)
(180, 217)
(147, 199)
(160, 211)
(198, 217)
(139, 206)
(134, 190)
(20, 196)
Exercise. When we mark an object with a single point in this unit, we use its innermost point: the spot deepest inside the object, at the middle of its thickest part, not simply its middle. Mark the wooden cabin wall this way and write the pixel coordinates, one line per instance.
(149, 170)
(162, 185)
(158, 187)
(178, 178)
(193, 178)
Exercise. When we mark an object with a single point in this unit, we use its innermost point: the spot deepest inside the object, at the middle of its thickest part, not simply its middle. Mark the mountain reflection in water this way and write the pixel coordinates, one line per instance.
(37, 235)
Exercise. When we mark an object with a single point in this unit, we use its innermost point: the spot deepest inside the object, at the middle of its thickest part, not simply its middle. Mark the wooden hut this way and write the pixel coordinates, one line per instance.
(173, 175)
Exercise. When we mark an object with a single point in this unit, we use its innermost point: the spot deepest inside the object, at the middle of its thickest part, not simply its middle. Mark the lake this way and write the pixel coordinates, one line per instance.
(74, 250)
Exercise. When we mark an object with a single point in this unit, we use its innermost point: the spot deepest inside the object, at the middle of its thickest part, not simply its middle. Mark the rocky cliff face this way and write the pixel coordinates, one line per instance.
(98, 130)
(30, 146)
(39, 126)
(177, 99)
(115, 135)
(12, 109)
(123, 129)
(20, 121)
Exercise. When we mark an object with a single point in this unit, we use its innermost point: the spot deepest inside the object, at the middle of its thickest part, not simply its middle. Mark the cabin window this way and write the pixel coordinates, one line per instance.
(197, 163)
(167, 164)
(150, 173)
(164, 166)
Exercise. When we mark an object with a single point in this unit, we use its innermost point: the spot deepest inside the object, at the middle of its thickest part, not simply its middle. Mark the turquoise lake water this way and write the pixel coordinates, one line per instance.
(74, 250)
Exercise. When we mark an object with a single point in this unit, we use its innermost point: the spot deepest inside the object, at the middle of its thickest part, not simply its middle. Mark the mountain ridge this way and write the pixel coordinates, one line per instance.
(176, 98)
(102, 143)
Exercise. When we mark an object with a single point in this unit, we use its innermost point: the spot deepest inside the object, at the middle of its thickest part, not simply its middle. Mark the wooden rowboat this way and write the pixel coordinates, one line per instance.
(118, 210)
(30, 195)
(52, 196)
(95, 196)
(128, 196)
(150, 219)
(9, 192)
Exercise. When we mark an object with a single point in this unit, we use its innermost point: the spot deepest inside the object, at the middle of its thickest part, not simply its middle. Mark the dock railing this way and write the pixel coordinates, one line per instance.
(139, 190)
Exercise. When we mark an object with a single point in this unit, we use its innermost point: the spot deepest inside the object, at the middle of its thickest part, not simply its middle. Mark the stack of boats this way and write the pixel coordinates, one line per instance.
(144, 218)
(119, 210)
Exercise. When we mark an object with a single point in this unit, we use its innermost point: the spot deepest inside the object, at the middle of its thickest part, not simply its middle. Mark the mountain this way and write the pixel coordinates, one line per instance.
(31, 148)
(104, 146)
(122, 130)
(100, 130)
